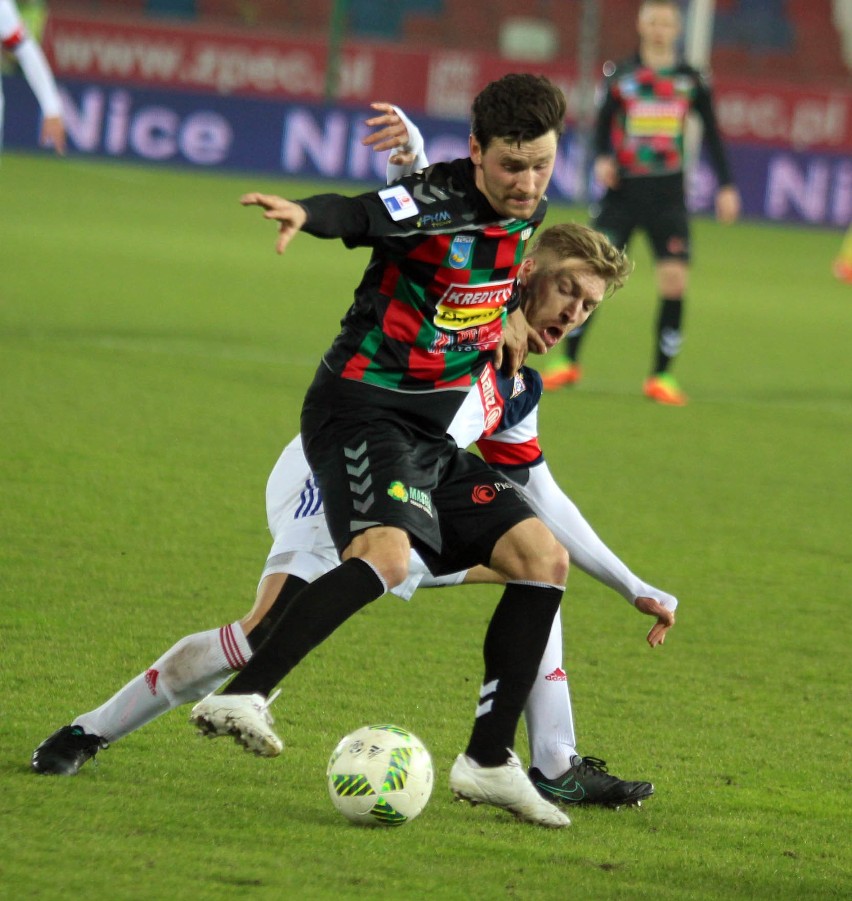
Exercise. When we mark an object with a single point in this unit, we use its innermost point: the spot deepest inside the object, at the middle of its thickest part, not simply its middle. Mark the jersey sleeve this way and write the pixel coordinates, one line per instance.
(703, 106)
(602, 133)
(364, 220)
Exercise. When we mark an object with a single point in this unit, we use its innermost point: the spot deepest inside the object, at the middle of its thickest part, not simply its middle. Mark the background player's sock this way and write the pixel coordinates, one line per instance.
(188, 671)
(669, 332)
(515, 640)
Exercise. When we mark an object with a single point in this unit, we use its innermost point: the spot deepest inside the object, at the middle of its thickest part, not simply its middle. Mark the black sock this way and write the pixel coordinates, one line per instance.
(292, 586)
(313, 614)
(514, 643)
(669, 332)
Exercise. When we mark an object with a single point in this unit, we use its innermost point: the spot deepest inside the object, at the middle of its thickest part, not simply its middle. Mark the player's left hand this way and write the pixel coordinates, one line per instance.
(665, 619)
(53, 134)
(392, 134)
(728, 204)
(513, 347)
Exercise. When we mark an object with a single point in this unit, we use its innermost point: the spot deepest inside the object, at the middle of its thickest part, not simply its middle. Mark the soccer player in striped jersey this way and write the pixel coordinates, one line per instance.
(501, 418)
(16, 40)
(501, 412)
(639, 159)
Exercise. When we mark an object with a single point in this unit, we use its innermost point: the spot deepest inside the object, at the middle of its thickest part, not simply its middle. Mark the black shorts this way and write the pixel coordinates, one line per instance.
(654, 204)
(377, 463)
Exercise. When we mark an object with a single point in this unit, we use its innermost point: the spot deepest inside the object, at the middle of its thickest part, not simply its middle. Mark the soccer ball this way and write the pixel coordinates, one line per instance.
(380, 776)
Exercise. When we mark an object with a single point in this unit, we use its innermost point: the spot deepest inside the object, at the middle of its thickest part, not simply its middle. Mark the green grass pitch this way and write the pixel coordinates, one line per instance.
(153, 355)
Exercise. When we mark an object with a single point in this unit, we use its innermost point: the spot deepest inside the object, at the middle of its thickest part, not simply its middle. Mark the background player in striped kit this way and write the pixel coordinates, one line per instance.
(639, 159)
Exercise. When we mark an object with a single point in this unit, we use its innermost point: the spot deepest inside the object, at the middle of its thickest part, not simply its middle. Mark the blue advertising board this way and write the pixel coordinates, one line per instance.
(314, 141)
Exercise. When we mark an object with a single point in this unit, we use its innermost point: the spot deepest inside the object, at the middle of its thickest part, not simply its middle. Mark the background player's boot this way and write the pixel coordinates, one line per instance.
(588, 782)
(842, 270)
(64, 752)
(505, 786)
(245, 717)
(664, 389)
(565, 372)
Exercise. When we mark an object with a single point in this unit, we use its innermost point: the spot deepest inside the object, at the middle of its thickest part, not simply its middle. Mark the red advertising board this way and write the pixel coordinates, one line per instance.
(436, 82)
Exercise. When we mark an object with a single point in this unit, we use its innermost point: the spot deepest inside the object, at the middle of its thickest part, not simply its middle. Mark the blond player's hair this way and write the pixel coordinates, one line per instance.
(598, 253)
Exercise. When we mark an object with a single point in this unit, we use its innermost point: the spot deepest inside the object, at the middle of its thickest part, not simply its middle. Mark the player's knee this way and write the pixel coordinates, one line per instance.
(530, 552)
(555, 564)
(387, 550)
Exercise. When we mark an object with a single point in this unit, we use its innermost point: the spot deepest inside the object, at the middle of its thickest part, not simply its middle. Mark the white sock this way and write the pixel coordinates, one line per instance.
(548, 715)
(188, 671)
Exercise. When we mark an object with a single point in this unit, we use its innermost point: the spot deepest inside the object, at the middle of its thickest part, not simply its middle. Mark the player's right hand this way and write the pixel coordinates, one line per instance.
(665, 619)
(392, 134)
(289, 216)
(606, 171)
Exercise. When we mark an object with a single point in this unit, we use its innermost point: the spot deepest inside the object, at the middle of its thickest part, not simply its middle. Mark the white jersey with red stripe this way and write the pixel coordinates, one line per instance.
(501, 418)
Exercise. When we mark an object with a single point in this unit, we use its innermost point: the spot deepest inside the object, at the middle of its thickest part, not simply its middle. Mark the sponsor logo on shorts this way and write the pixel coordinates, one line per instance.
(558, 675)
(484, 494)
(676, 245)
(411, 495)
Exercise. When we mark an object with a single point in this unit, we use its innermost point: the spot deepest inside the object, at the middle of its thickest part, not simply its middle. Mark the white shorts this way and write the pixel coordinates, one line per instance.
(301, 543)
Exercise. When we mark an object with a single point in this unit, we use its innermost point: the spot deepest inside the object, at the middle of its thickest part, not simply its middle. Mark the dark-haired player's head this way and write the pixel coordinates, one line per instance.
(518, 108)
(516, 123)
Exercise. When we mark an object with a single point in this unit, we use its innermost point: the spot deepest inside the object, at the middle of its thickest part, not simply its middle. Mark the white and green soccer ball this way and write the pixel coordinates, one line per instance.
(380, 776)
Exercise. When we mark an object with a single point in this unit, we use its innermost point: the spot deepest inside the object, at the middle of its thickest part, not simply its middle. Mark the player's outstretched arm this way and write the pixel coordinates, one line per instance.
(588, 551)
(289, 216)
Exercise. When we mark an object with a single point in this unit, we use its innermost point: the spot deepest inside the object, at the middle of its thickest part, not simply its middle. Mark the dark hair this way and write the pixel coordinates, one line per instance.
(517, 108)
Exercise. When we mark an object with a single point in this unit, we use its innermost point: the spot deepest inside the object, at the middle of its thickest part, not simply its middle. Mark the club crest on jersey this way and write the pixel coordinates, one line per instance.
(460, 251)
(518, 385)
(398, 202)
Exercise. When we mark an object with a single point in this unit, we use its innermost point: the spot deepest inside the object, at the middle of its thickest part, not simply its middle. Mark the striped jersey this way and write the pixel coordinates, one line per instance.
(428, 313)
(642, 119)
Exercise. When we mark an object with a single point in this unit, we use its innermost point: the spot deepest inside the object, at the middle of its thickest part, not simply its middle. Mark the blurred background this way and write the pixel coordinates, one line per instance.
(283, 86)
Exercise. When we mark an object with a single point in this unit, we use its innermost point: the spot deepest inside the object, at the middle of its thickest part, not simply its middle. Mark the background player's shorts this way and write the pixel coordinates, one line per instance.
(386, 465)
(653, 204)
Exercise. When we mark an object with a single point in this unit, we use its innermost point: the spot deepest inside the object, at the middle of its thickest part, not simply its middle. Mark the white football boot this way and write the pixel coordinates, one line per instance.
(245, 717)
(506, 786)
